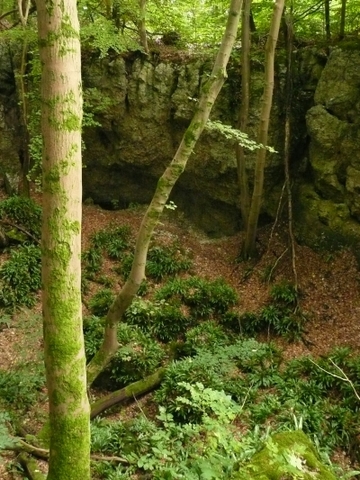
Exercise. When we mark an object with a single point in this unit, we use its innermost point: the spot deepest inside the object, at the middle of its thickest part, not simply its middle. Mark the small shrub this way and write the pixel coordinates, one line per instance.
(284, 293)
(232, 321)
(166, 322)
(138, 356)
(100, 303)
(204, 297)
(23, 212)
(207, 335)
(20, 387)
(139, 313)
(282, 317)
(20, 277)
(161, 261)
(84, 285)
(92, 259)
(264, 408)
(249, 322)
(169, 323)
(106, 281)
(114, 240)
(200, 401)
(93, 328)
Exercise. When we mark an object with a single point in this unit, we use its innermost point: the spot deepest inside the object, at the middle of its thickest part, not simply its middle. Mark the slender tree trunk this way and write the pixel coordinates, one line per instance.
(69, 411)
(342, 19)
(244, 113)
(142, 26)
(327, 20)
(209, 93)
(288, 102)
(249, 249)
(24, 187)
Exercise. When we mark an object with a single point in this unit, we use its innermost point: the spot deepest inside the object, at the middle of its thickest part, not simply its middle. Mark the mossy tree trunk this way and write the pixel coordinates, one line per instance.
(209, 93)
(61, 98)
(249, 248)
(244, 112)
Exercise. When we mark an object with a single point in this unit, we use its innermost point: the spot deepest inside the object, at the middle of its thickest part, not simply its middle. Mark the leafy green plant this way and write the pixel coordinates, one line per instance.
(100, 303)
(208, 335)
(92, 258)
(266, 406)
(165, 449)
(21, 386)
(218, 370)
(204, 297)
(166, 322)
(161, 262)
(284, 293)
(169, 323)
(6, 439)
(201, 401)
(23, 212)
(200, 369)
(138, 356)
(93, 328)
(20, 277)
(281, 317)
(113, 240)
(105, 280)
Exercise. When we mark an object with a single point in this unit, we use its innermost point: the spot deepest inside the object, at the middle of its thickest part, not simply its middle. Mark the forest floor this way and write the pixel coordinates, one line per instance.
(328, 284)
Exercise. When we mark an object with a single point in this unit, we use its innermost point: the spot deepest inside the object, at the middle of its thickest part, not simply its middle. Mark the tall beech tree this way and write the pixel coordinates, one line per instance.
(209, 93)
(61, 100)
(249, 248)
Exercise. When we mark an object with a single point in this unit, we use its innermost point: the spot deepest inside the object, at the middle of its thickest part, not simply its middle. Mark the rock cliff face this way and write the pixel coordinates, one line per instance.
(151, 102)
(143, 105)
(329, 202)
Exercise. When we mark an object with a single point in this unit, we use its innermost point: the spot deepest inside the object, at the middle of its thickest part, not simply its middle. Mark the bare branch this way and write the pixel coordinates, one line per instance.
(344, 378)
(24, 12)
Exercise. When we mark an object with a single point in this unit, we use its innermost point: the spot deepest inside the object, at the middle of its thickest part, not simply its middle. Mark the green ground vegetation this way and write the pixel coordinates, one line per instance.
(226, 401)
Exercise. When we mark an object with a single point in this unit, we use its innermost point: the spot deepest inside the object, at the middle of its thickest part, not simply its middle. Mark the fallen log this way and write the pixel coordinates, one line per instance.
(30, 467)
(137, 388)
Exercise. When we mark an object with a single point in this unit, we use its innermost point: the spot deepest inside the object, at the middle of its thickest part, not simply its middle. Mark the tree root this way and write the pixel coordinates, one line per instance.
(137, 388)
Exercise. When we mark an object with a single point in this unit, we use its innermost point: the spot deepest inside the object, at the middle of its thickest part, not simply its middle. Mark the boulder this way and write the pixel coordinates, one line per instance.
(286, 455)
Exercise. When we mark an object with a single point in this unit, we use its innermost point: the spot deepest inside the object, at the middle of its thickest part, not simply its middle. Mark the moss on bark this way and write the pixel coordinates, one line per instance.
(69, 410)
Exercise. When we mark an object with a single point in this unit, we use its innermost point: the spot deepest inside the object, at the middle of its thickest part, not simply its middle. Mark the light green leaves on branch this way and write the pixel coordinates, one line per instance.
(235, 135)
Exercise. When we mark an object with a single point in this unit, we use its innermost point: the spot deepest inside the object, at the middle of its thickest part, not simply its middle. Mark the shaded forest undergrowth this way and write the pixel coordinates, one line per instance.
(235, 351)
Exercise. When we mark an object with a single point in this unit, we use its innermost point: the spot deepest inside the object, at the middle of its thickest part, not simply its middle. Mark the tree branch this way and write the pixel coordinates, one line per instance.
(21, 229)
(42, 453)
(344, 378)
